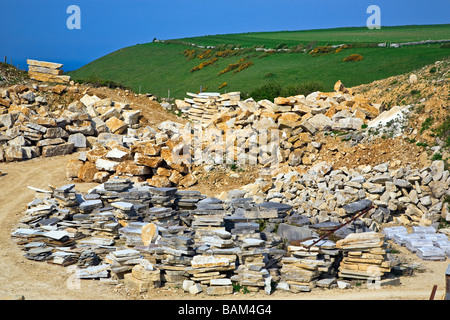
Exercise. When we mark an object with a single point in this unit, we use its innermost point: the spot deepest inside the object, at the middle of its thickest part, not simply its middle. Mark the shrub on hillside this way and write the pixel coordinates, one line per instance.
(204, 64)
(243, 66)
(322, 50)
(267, 91)
(270, 91)
(237, 67)
(96, 81)
(354, 57)
(304, 88)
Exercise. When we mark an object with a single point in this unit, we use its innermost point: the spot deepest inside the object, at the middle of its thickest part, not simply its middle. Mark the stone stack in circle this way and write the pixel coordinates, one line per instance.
(364, 256)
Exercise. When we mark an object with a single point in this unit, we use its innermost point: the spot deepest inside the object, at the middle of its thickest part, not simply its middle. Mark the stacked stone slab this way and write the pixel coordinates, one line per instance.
(142, 278)
(364, 256)
(208, 217)
(46, 71)
(309, 264)
(204, 106)
(178, 252)
(206, 268)
(425, 242)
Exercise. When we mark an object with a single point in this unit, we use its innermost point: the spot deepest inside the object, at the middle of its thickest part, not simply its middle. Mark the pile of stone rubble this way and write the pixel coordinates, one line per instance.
(407, 196)
(318, 111)
(31, 126)
(145, 154)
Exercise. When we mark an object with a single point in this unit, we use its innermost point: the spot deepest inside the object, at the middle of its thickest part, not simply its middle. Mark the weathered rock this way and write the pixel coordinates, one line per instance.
(321, 122)
(106, 165)
(116, 125)
(350, 124)
(87, 172)
(295, 157)
(72, 168)
(159, 181)
(131, 117)
(13, 153)
(148, 161)
(129, 167)
(84, 127)
(289, 119)
(57, 132)
(78, 140)
(188, 180)
(58, 150)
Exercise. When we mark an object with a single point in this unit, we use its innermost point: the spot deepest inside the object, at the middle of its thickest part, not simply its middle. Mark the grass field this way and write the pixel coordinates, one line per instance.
(330, 36)
(159, 67)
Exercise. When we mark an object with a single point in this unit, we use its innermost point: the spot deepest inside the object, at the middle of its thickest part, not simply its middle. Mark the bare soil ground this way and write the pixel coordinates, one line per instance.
(41, 281)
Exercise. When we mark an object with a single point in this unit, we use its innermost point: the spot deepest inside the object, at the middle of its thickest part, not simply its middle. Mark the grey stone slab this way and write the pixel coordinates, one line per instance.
(357, 206)
(163, 191)
(36, 127)
(66, 188)
(78, 140)
(281, 207)
(125, 206)
(58, 150)
(90, 205)
(291, 233)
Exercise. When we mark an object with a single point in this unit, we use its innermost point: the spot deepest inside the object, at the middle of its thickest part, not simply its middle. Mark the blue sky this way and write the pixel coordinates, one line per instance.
(37, 29)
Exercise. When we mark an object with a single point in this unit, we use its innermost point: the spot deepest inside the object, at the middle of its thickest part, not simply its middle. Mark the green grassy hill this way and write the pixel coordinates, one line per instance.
(158, 67)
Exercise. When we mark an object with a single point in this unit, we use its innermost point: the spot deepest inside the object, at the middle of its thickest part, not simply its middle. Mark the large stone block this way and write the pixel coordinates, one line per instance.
(116, 125)
(132, 168)
(58, 150)
(106, 165)
(219, 290)
(138, 286)
(291, 233)
(148, 161)
(13, 153)
(72, 168)
(140, 273)
(87, 172)
(78, 140)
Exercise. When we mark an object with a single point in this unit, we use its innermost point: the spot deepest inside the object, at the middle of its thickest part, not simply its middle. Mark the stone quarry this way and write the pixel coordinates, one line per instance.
(145, 225)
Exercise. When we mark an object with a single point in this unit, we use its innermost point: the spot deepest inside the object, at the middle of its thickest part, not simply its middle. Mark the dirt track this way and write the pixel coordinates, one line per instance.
(34, 280)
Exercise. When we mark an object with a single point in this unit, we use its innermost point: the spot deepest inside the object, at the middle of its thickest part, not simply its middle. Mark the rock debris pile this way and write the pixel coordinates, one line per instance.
(30, 127)
(406, 196)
